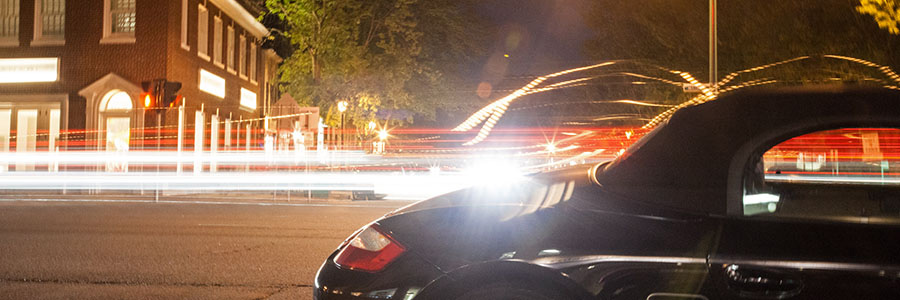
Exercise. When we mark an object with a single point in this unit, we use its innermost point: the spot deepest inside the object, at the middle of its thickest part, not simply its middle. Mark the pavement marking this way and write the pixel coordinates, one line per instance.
(224, 225)
(203, 202)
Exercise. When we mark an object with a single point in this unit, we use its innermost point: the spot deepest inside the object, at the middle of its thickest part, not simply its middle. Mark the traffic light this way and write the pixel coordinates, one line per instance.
(148, 100)
(160, 93)
(151, 93)
(170, 93)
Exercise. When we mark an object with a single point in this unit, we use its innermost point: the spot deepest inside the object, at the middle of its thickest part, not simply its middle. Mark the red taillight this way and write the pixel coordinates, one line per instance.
(369, 251)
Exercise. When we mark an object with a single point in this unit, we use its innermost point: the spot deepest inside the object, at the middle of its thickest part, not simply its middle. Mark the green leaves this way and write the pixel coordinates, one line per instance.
(885, 12)
(373, 54)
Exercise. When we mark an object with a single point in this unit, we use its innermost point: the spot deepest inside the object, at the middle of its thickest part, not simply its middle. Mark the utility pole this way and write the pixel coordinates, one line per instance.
(713, 53)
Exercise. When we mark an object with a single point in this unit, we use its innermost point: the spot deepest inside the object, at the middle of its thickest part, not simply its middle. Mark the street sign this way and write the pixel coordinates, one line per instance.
(690, 88)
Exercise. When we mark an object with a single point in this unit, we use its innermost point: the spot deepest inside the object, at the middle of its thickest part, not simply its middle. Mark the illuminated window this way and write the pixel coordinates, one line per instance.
(248, 99)
(9, 22)
(253, 59)
(16, 70)
(242, 54)
(217, 42)
(230, 50)
(843, 175)
(49, 21)
(5, 119)
(26, 131)
(119, 21)
(212, 84)
(118, 101)
(123, 14)
(202, 32)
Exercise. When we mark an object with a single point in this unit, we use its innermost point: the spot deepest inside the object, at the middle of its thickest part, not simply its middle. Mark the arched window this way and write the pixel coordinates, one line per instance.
(115, 108)
(116, 100)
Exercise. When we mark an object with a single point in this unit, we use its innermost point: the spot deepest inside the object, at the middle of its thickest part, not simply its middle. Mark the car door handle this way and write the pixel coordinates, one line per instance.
(762, 283)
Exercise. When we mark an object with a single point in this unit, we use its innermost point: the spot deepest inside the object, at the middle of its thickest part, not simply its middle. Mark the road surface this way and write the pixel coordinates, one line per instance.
(122, 250)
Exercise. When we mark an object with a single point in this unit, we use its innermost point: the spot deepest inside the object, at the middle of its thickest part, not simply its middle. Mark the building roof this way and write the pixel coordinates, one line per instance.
(240, 15)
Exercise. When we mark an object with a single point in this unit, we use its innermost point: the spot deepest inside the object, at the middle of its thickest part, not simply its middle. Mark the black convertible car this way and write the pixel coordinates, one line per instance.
(766, 194)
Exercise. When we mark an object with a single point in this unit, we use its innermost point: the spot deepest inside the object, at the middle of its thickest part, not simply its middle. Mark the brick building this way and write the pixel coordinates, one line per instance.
(72, 69)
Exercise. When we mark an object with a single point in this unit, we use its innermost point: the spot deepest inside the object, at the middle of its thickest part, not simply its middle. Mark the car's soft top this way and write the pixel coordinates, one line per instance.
(697, 159)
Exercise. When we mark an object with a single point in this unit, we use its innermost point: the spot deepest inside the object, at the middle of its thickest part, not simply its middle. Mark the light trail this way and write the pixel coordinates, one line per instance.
(622, 101)
(492, 113)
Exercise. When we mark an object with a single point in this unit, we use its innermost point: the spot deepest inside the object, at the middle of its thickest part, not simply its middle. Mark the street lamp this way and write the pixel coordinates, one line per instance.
(342, 107)
(382, 138)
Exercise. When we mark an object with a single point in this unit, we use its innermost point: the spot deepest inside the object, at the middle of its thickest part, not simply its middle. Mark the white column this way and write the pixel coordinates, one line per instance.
(247, 143)
(227, 145)
(199, 126)
(213, 141)
(180, 146)
(320, 136)
(54, 135)
(247, 137)
(237, 141)
(5, 120)
(26, 135)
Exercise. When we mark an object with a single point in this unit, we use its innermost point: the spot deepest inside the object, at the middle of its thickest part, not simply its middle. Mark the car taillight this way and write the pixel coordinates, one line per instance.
(369, 251)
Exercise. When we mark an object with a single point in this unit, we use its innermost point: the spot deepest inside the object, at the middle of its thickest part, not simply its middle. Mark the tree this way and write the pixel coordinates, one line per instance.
(384, 57)
(885, 12)
(673, 34)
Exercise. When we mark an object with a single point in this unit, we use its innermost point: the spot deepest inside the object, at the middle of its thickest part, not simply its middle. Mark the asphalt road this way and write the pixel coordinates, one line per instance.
(110, 250)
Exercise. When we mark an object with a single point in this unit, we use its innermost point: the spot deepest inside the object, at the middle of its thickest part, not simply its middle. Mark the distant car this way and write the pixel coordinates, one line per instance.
(743, 197)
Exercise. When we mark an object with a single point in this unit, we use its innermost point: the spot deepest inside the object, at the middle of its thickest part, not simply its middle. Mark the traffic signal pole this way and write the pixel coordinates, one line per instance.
(713, 51)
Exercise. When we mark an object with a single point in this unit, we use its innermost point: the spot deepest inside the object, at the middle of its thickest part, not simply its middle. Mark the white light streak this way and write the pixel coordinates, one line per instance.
(492, 113)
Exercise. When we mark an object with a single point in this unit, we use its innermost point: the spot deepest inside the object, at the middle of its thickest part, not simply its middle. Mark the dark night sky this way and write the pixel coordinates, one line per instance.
(539, 35)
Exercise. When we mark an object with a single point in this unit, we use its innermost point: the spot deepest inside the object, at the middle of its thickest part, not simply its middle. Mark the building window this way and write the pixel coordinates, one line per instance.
(184, 25)
(21, 70)
(217, 42)
(242, 54)
(212, 84)
(230, 50)
(49, 22)
(253, 60)
(202, 32)
(119, 21)
(248, 99)
(9, 22)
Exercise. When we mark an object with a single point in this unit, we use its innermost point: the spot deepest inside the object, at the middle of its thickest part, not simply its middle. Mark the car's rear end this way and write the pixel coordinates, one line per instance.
(373, 264)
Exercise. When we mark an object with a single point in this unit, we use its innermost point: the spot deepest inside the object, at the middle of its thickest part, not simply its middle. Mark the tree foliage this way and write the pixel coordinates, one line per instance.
(386, 58)
(885, 12)
(674, 34)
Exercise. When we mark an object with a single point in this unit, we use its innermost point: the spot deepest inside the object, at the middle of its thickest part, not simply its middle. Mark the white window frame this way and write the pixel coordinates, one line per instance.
(242, 57)
(39, 38)
(217, 43)
(119, 37)
(229, 50)
(184, 25)
(203, 32)
(253, 60)
(13, 41)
